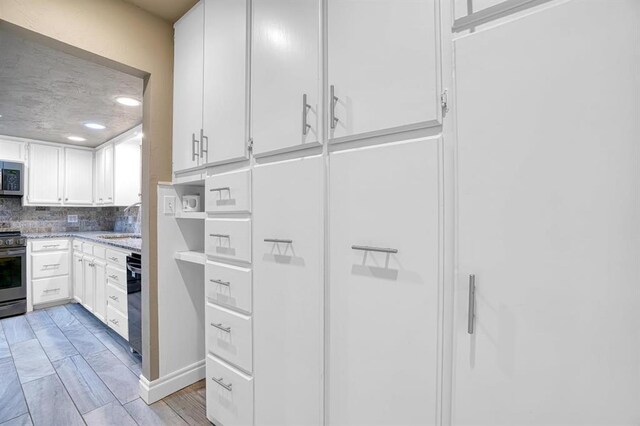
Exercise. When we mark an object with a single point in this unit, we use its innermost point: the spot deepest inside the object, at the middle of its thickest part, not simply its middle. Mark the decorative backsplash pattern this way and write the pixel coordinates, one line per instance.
(13, 216)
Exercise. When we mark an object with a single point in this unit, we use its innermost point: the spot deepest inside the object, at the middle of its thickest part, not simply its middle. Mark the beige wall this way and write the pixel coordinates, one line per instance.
(125, 37)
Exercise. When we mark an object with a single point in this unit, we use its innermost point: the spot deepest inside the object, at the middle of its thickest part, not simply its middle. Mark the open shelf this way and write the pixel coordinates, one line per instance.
(197, 257)
(191, 215)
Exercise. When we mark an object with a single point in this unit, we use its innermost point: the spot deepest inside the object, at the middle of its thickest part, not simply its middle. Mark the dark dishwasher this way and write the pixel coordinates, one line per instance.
(134, 301)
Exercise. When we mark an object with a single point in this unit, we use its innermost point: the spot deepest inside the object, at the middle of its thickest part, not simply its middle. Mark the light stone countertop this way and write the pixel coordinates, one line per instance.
(133, 243)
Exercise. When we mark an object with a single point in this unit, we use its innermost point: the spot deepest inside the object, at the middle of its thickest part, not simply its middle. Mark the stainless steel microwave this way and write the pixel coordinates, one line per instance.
(11, 178)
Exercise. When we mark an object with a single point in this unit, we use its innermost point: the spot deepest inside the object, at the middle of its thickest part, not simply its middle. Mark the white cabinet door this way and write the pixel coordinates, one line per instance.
(128, 172)
(288, 292)
(100, 282)
(78, 176)
(383, 63)
(89, 284)
(11, 151)
(187, 88)
(225, 81)
(383, 347)
(45, 171)
(548, 219)
(99, 179)
(284, 68)
(78, 278)
(107, 189)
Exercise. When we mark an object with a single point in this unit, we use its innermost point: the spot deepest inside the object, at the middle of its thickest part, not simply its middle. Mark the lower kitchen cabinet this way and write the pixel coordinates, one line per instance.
(78, 277)
(49, 271)
(288, 292)
(385, 286)
(229, 394)
(100, 282)
(89, 284)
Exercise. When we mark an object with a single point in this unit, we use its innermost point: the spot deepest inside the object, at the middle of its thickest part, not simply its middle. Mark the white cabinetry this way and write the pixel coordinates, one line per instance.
(285, 75)
(225, 81)
(383, 62)
(188, 70)
(78, 176)
(385, 288)
(127, 171)
(100, 282)
(45, 174)
(288, 292)
(78, 277)
(49, 265)
(89, 283)
(11, 150)
(104, 175)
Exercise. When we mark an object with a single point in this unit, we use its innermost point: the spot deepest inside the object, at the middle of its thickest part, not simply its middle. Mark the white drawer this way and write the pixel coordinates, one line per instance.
(228, 192)
(228, 285)
(117, 276)
(49, 245)
(117, 258)
(229, 395)
(87, 248)
(228, 239)
(100, 252)
(49, 264)
(77, 245)
(117, 298)
(229, 336)
(117, 321)
(50, 289)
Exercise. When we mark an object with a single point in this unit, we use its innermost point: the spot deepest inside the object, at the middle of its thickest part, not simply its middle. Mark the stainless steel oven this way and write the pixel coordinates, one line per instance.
(13, 274)
(11, 178)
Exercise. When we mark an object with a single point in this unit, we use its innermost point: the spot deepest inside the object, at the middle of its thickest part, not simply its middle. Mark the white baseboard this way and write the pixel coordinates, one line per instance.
(157, 389)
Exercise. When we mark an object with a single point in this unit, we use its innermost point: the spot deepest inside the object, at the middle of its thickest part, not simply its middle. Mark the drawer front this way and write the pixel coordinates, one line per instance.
(49, 245)
(117, 298)
(50, 289)
(228, 285)
(229, 395)
(117, 321)
(228, 239)
(229, 192)
(117, 258)
(117, 276)
(77, 245)
(87, 248)
(49, 264)
(100, 252)
(229, 336)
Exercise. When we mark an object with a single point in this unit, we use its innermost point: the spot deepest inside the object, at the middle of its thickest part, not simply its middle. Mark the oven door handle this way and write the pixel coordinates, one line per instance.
(11, 253)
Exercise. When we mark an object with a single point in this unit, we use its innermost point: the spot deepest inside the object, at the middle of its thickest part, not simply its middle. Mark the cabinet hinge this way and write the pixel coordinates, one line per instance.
(250, 146)
(444, 102)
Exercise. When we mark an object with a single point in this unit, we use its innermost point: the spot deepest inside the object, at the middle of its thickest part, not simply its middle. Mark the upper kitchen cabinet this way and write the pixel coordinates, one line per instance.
(224, 135)
(127, 174)
(104, 175)
(78, 176)
(383, 67)
(285, 79)
(188, 72)
(45, 174)
(11, 151)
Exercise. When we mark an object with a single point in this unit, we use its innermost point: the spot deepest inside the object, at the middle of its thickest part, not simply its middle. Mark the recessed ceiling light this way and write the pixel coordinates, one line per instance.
(94, 126)
(76, 138)
(127, 101)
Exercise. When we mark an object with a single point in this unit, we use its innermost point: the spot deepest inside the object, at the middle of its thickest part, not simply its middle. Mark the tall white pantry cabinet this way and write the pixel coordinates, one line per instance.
(388, 239)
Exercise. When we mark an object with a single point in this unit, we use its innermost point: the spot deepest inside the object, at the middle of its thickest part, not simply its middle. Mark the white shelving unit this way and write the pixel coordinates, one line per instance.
(197, 257)
(191, 215)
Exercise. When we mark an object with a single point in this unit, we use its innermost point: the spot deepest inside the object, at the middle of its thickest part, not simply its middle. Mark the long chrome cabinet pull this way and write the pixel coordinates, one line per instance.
(221, 383)
(202, 139)
(224, 188)
(194, 151)
(472, 304)
(332, 107)
(305, 110)
(224, 283)
(219, 235)
(276, 240)
(378, 249)
(221, 327)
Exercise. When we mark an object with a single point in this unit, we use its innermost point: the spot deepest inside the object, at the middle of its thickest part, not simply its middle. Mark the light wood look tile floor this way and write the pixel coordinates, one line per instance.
(62, 366)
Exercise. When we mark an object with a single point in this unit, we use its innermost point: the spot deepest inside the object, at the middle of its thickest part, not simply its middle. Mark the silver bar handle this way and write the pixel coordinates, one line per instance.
(51, 289)
(219, 326)
(202, 138)
(114, 298)
(194, 151)
(276, 240)
(115, 277)
(51, 245)
(305, 110)
(221, 383)
(224, 283)
(219, 235)
(115, 259)
(52, 265)
(222, 188)
(472, 305)
(115, 321)
(377, 249)
(332, 107)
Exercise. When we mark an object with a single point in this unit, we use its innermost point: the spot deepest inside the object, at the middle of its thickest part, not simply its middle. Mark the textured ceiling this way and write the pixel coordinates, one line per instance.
(169, 10)
(47, 94)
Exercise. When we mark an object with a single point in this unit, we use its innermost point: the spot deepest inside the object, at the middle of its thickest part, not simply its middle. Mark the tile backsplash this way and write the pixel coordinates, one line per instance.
(13, 216)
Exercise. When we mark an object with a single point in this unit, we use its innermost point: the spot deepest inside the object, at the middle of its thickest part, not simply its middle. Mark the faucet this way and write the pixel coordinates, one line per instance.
(138, 204)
